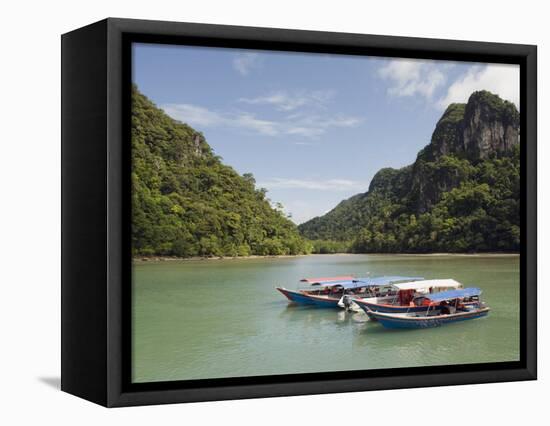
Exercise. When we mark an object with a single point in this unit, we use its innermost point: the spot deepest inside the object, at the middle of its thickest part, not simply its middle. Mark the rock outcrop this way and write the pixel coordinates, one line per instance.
(485, 128)
(490, 126)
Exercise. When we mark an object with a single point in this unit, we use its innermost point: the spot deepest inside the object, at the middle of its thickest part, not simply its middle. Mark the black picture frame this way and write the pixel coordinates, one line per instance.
(96, 258)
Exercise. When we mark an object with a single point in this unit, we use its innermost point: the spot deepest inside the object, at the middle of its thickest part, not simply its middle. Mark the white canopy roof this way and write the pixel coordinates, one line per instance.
(426, 284)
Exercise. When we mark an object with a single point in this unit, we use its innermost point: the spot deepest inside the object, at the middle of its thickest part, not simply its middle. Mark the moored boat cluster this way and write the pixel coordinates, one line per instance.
(394, 301)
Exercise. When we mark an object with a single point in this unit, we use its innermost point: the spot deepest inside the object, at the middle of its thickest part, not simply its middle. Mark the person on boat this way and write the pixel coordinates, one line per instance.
(445, 308)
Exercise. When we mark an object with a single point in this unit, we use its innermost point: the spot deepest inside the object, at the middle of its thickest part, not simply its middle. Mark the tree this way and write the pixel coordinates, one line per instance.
(186, 202)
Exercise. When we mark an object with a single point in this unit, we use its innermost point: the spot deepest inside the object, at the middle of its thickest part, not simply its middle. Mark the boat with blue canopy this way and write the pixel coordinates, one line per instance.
(340, 293)
(438, 309)
(402, 294)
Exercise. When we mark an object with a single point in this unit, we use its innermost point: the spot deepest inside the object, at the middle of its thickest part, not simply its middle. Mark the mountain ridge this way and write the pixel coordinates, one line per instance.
(186, 202)
(473, 152)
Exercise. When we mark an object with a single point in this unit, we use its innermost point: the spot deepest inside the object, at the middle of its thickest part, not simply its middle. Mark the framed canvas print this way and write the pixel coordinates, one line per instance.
(252, 212)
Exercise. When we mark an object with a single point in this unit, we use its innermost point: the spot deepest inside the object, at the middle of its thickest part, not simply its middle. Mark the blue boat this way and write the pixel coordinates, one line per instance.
(304, 297)
(403, 296)
(443, 308)
(339, 294)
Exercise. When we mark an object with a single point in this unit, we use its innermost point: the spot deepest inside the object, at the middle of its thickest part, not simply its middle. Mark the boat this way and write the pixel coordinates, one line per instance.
(330, 293)
(438, 309)
(400, 297)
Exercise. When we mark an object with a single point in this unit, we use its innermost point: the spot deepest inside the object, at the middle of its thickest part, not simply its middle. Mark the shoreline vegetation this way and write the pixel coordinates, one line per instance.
(461, 195)
(143, 259)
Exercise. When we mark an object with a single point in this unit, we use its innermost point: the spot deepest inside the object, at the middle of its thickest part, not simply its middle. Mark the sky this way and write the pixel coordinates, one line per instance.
(313, 129)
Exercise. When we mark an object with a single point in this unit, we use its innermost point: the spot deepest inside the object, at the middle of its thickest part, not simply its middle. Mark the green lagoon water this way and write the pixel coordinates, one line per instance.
(224, 318)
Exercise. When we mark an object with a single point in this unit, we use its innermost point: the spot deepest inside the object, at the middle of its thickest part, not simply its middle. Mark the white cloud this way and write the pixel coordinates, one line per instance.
(308, 132)
(317, 184)
(410, 77)
(201, 117)
(193, 115)
(500, 79)
(302, 211)
(309, 126)
(342, 121)
(285, 101)
(248, 121)
(243, 63)
(313, 125)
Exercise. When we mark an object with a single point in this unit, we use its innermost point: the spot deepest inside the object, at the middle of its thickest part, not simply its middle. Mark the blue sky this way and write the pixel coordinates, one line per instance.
(312, 128)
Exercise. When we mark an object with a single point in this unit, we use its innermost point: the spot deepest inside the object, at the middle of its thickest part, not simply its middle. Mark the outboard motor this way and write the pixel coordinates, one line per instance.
(345, 302)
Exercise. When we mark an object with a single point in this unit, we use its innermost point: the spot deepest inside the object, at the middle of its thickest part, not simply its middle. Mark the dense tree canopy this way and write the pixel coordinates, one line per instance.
(186, 202)
(480, 214)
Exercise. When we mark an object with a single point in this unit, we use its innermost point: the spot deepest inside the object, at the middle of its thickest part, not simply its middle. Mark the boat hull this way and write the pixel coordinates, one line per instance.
(390, 309)
(302, 298)
(409, 322)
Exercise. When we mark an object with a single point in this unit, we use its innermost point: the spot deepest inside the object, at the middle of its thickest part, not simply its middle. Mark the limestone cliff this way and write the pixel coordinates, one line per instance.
(473, 153)
(485, 126)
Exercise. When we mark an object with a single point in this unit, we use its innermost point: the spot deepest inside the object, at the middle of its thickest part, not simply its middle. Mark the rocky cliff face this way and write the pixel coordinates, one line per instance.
(490, 126)
(485, 128)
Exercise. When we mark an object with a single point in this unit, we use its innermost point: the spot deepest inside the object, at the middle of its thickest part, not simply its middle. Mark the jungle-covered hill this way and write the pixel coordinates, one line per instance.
(186, 202)
(462, 193)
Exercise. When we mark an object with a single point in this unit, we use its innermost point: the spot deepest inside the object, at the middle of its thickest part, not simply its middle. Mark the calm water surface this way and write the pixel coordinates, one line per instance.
(224, 318)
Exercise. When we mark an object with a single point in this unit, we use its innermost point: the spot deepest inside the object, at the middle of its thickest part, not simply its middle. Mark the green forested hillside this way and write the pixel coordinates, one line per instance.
(460, 195)
(186, 202)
